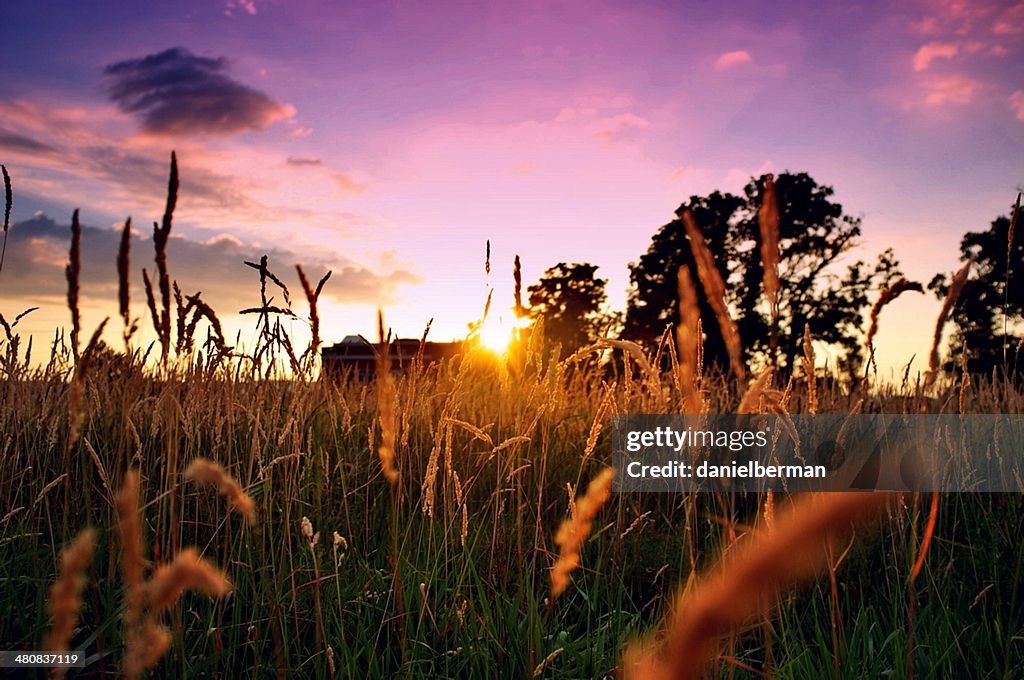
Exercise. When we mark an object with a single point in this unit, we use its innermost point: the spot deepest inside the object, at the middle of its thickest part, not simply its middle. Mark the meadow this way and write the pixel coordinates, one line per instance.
(421, 525)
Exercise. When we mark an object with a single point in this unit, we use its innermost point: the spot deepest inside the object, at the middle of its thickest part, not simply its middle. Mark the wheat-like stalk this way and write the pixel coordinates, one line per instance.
(8, 204)
(744, 584)
(575, 530)
(66, 593)
(809, 377)
(123, 276)
(714, 289)
(768, 223)
(73, 272)
(132, 563)
(161, 234)
(959, 279)
(386, 405)
(887, 295)
(312, 297)
(205, 471)
(752, 397)
(517, 279)
(188, 571)
(688, 343)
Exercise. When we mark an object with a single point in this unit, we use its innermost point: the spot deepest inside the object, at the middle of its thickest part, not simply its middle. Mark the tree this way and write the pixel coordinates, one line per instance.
(571, 299)
(815, 235)
(989, 309)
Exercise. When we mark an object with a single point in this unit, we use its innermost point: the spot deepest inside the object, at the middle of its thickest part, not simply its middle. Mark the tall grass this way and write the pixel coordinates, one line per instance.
(443, 489)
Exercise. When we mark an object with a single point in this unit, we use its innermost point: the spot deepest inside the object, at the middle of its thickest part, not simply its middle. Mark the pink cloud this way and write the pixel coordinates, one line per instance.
(1011, 21)
(624, 121)
(931, 51)
(1017, 104)
(731, 59)
(951, 90)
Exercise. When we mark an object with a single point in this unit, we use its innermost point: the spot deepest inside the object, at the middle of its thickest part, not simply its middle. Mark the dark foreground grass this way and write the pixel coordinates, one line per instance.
(464, 593)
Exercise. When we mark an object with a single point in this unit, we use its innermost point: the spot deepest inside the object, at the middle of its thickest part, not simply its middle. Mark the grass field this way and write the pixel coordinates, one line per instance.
(406, 528)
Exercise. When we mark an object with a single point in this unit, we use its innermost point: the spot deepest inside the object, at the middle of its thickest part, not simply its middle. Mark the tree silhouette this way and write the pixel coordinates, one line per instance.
(815, 235)
(991, 304)
(571, 299)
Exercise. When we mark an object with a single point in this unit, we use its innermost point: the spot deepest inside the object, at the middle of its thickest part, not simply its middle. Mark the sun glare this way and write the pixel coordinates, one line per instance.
(496, 335)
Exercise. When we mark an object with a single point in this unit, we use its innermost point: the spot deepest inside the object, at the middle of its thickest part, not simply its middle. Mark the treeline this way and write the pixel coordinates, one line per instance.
(823, 286)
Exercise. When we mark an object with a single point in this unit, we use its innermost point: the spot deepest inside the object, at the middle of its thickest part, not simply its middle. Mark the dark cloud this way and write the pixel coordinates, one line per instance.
(177, 92)
(16, 142)
(300, 162)
(38, 248)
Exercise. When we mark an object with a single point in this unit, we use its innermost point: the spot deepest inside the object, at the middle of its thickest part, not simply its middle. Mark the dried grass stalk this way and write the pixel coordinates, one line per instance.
(809, 377)
(752, 397)
(66, 593)
(8, 198)
(8, 204)
(885, 297)
(188, 571)
(206, 311)
(386, 405)
(76, 391)
(123, 276)
(926, 540)
(768, 221)
(145, 648)
(312, 297)
(129, 526)
(575, 530)
(635, 351)
(744, 584)
(959, 279)
(714, 289)
(517, 277)
(1009, 232)
(161, 234)
(688, 343)
(73, 272)
(205, 471)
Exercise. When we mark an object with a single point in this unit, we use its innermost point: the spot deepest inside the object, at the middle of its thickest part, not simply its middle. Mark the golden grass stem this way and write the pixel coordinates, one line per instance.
(887, 295)
(688, 343)
(714, 289)
(959, 279)
(73, 272)
(386, 405)
(575, 530)
(66, 592)
(745, 583)
(768, 223)
(205, 471)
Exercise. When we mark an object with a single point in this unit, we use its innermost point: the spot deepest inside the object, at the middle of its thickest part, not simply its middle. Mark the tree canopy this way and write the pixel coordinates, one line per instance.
(819, 287)
(991, 303)
(571, 299)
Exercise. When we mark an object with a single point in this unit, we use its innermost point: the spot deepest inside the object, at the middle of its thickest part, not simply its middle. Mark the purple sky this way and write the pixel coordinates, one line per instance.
(388, 141)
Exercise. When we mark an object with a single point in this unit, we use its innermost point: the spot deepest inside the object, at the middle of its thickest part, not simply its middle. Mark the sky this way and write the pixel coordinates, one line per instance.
(388, 141)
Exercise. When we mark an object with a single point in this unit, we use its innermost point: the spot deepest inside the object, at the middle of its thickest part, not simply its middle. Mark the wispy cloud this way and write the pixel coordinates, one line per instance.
(247, 6)
(951, 89)
(175, 92)
(1017, 104)
(56, 151)
(957, 89)
(616, 125)
(37, 252)
(732, 59)
(931, 51)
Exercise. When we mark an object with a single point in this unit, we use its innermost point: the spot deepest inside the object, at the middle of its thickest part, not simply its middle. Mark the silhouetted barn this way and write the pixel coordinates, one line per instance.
(356, 357)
